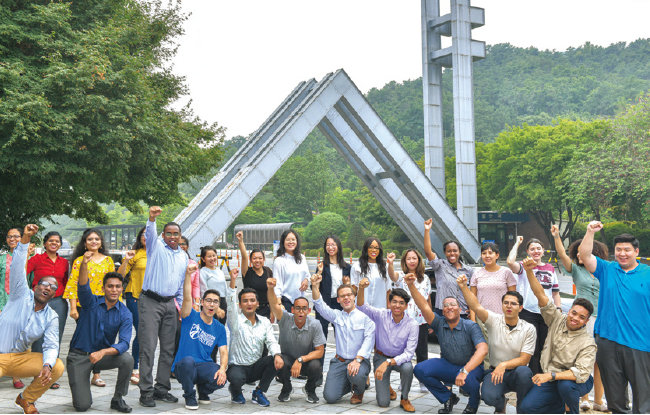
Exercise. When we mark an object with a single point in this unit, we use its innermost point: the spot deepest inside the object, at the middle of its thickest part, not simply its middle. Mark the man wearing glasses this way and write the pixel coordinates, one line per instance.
(163, 282)
(26, 318)
(462, 350)
(302, 343)
(355, 336)
(511, 342)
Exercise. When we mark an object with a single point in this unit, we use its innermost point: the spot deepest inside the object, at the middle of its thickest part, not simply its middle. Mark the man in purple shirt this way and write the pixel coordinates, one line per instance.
(396, 337)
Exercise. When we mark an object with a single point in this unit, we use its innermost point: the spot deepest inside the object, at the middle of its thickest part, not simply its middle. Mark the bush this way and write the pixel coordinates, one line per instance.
(356, 254)
(326, 223)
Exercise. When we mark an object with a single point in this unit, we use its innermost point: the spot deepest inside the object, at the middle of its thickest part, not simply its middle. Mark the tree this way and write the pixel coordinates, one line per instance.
(327, 223)
(85, 118)
(524, 170)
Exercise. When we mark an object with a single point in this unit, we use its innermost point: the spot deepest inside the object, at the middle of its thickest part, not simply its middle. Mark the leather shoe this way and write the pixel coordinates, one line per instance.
(147, 401)
(165, 397)
(406, 405)
(393, 394)
(449, 405)
(469, 410)
(120, 405)
(356, 398)
(27, 407)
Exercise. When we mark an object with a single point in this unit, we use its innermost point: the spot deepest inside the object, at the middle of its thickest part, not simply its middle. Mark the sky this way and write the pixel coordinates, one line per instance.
(241, 58)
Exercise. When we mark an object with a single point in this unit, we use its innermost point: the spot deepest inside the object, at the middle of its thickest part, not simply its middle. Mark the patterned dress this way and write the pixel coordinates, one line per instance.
(96, 274)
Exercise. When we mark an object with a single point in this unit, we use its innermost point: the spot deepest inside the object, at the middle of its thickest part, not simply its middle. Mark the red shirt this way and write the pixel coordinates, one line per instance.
(43, 266)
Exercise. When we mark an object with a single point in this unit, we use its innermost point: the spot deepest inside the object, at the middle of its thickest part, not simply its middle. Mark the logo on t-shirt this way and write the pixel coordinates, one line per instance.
(197, 333)
(545, 278)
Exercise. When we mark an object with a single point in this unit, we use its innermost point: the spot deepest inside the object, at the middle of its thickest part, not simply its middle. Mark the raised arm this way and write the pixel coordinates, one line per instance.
(470, 298)
(186, 307)
(363, 284)
(276, 309)
(587, 246)
(390, 258)
(124, 266)
(535, 286)
(559, 248)
(231, 299)
(242, 251)
(150, 231)
(420, 301)
(512, 256)
(17, 274)
(427, 240)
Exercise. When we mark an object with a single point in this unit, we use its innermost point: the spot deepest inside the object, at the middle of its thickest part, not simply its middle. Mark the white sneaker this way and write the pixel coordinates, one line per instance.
(601, 407)
(585, 405)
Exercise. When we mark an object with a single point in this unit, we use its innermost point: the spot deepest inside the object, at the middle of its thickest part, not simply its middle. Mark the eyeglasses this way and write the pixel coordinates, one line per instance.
(210, 301)
(303, 309)
(512, 303)
(373, 248)
(330, 246)
(174, 234)
(50, 285)
(444, 305)
(346, 295)
(13, 236)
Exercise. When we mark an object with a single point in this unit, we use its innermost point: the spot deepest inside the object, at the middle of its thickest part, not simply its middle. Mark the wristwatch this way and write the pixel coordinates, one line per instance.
(553, 376)
(462, 370)
(299, 360)
(359, 359)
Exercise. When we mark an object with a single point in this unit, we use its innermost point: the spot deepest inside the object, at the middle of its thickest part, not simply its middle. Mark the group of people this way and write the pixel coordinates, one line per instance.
(500, 329)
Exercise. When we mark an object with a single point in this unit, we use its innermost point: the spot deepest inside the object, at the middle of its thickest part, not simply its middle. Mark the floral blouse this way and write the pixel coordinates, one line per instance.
(96, 274)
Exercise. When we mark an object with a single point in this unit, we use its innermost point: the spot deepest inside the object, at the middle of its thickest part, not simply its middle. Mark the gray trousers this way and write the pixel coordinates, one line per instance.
(79, 368)
(60, 306)
(382, 386)
(339, 382)
(157, 322)
(619, 365)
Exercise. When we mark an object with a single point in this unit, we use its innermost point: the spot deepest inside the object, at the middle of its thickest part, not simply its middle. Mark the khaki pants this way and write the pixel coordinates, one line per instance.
(28, 365)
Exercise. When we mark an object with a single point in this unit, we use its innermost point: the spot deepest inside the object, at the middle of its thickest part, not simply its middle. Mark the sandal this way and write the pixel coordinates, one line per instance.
(55, 386)
(135, 377)
(18, 384)
(98, 382)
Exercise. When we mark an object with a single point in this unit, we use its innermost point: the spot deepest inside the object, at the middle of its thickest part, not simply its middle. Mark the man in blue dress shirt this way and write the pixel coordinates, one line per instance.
(163, 282)
(26, 318)
(462, 350)
(92, 344)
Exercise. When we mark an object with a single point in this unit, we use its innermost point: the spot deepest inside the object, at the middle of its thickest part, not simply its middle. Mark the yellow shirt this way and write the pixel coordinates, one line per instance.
(136, 265)
(96, 274)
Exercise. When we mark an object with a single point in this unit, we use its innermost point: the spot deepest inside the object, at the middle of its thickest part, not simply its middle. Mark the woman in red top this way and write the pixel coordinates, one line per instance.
(50, 264)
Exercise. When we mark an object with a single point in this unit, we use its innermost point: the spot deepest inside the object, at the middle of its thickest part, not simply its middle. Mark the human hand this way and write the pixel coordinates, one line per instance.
(221, 314)
(234, 272)
(30, 230)
(529, 263)
(154, 212)
(96, 356)
(364, 283)
(31, 249)
(74, 313)
(540, 378)
(271, 282)
(409, 279)
(86, 258)
(278, 362)
(191, 269)
(594, 226)
(304, 284)
(427, 224)
(45, 375)
(240, 236)
(129, 255)
(346, 279)
(319, 267)
(353, 368)
(460, 379)
(316, 279)
(296, 368)
(379, 373)
(462, 280)
(520, 239)
(555, 231)
(390, 258)
(220, 376)
(497, 373)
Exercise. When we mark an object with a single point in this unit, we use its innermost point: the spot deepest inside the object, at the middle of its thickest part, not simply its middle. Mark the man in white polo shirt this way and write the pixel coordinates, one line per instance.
(511, 343)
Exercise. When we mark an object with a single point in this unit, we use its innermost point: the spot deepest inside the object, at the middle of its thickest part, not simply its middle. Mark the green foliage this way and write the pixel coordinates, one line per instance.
(85, 118)
(327, 223)
(612, 229)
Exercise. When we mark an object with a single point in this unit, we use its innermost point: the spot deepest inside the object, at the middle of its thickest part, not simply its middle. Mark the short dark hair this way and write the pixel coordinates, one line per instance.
(491, 246)
(583, 302)
(211, 291)
(354, 292)
(626, 238)
(453, 298)
(50, 235)
(300, 298)
(520, 298)
(248, 291)
(110, 275)
(399, 292)
(172, 224)
(444, 246)
(599, 249)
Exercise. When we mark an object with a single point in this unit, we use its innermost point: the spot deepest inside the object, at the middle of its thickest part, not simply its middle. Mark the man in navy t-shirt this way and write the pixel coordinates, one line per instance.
(200, 334)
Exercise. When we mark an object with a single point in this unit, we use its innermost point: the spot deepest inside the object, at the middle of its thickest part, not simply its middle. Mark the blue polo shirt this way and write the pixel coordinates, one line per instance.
(457, 346)
(98, 327)
(624, 304)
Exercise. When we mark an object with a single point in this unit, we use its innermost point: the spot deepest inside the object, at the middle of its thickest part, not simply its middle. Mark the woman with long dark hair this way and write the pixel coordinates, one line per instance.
(100, 263)
(212, 278)
(372, 265)
(335, 271)
(255, 274)
(587, 286)
(50, 264)
(290, 269)
(545, 274)
(135, 262)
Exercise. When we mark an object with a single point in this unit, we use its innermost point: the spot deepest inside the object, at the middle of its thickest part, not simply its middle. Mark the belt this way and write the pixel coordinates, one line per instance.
(340, 358)
(379, 352)
(79, 351)
(157, 297)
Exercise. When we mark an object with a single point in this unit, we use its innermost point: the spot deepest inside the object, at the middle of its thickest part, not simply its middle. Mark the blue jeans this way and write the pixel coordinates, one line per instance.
(551, 397)
(132, 305)
(517, 379)
(190, 373)
(433, 372)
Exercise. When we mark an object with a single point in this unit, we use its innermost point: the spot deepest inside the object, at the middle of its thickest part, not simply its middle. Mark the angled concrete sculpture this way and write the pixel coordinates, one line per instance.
(337, 107)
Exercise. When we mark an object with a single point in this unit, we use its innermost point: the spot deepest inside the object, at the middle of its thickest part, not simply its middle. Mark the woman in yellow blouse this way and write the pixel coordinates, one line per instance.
(92, 240)
(135, 261)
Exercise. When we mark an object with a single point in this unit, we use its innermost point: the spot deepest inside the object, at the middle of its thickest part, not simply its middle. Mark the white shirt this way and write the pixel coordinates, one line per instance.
(505, 344)
(289, 276)
(375, 294)
(423, 287)
(212, 279)
(337, 278)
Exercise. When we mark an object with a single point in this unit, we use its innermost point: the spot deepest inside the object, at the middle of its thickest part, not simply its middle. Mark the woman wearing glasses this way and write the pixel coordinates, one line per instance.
(50, 264)
(91, 240)
(13, 236)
